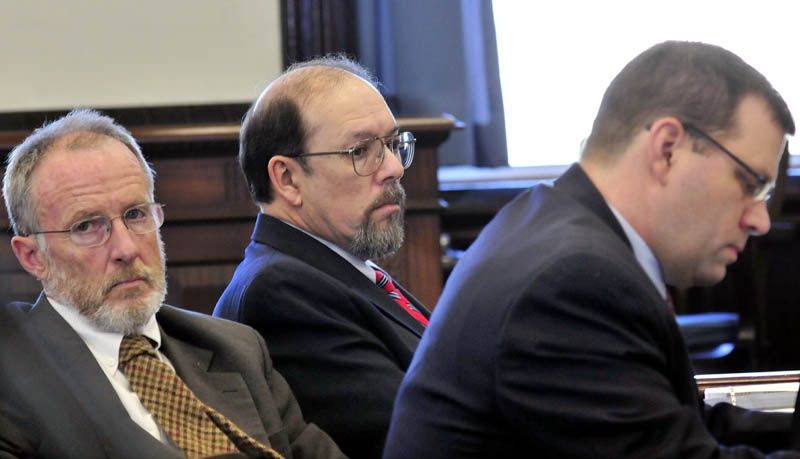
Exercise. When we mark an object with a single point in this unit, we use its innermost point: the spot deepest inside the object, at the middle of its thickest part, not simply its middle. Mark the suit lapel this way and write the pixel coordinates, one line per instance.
(90, 386)
(577, 184)
(224, 391)
(284, 238)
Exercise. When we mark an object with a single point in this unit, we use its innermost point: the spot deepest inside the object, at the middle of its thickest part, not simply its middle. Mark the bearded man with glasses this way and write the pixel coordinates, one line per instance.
(102, 368)
(323, 157)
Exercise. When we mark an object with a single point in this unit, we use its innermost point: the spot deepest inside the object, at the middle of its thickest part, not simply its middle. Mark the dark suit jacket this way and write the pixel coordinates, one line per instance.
(550, 341)
(341, 342)
(57, 402)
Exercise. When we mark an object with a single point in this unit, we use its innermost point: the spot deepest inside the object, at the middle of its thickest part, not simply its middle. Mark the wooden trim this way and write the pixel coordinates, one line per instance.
(741, 379)
(230, 131)
(190, 133)
(429, 124)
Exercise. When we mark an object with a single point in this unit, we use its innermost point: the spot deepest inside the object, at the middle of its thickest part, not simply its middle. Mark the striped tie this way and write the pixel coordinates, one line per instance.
(385, 282)
(197, 429)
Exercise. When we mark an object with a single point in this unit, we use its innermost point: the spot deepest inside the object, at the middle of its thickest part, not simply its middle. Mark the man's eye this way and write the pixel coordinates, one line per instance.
(359, 152)
(87, 226)
(135, 214)
(749, 187)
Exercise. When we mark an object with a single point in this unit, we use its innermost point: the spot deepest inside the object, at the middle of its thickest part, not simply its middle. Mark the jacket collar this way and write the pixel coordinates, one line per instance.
(284, 238)
(577, 184)
(87, 382)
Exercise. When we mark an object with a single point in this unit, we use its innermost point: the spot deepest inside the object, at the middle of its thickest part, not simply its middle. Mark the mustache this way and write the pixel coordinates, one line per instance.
(136, 271)
(394, 194)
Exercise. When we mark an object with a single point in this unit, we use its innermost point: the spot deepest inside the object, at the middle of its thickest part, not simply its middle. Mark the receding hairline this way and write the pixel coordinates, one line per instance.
(81, 141)
(306, 84)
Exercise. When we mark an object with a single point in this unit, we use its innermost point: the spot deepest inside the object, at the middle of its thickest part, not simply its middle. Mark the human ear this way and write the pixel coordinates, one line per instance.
(30, 255)
(284, 173)
(666, 136)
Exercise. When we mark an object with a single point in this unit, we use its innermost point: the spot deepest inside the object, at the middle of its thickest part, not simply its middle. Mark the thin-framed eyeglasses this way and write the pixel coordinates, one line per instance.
(367, 154)
(95, 231)
(760, 192)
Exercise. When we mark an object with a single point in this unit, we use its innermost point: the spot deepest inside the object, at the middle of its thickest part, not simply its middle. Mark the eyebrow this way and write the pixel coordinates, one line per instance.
(363, 135)
(82, 215)
(87, 214)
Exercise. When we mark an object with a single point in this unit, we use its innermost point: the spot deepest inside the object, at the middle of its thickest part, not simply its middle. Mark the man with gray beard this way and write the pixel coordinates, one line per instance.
(100, 368)
(323, 156)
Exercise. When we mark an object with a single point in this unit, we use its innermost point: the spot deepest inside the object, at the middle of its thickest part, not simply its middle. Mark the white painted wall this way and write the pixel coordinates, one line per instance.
(58, 54)
(558, 57)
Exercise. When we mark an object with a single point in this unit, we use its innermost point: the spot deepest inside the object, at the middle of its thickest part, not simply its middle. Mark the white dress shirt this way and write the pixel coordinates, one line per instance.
(104, 346)
(365, 267)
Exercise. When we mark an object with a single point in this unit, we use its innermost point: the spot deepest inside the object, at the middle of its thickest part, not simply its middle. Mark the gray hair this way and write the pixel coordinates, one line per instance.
(22, 161)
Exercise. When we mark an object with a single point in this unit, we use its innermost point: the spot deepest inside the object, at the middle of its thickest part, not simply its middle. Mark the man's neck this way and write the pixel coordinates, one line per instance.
(622, 185)
(361, 265)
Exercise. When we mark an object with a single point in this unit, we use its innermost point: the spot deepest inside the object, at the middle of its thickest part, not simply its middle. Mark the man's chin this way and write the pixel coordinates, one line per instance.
(129, 294)
(126, 315)
(710, 276)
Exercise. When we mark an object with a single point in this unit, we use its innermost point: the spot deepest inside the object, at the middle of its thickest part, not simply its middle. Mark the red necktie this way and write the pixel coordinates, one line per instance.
(670, 302)
(384, 282)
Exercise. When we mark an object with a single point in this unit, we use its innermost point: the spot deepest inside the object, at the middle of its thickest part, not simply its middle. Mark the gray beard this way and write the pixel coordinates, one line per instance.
(91, 300)
(371, 242)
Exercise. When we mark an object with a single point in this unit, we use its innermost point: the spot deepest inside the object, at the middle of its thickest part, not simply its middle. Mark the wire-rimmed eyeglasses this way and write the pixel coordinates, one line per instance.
(759, 192)
(367, 154)
(95, 231)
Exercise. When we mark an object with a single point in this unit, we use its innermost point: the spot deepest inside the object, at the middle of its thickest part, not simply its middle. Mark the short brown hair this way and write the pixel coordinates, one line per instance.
(697, 83)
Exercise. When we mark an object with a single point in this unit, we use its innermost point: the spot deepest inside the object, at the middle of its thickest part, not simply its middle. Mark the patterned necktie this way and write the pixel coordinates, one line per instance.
(384, 282)
(197, 429)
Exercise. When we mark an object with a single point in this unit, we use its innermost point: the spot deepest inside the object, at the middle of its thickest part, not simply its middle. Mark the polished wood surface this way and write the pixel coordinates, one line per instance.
(210, 217)
(742, 379)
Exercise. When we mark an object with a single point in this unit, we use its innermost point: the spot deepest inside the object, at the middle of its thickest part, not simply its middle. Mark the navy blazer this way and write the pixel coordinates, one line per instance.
(57, 402)
(341, 342)
(549, 340)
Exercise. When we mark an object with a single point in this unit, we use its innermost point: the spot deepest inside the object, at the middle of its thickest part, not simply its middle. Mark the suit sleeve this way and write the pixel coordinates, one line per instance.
(305, 440)
(587, 355)
(11, 439)
(344, 377)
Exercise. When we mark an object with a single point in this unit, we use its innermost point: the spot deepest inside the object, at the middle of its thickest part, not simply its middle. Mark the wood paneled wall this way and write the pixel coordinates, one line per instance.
(210, 217)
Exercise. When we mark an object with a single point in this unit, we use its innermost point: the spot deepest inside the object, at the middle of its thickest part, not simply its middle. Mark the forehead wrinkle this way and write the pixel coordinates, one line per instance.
(311, 86)
(64, 195)
(94, 202)
(369, 135)
(373, 121)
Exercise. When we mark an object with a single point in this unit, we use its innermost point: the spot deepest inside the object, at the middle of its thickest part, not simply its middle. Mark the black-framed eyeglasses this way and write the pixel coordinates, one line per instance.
(367, 155)
(760, 192)
(95, 231)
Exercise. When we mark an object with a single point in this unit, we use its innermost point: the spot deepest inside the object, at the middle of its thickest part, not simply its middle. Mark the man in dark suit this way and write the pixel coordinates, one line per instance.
(80, 198)
(553, 336)
(323, 157)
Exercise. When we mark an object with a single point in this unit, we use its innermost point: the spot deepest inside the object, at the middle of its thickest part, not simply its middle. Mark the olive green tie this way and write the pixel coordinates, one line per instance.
(197, 429)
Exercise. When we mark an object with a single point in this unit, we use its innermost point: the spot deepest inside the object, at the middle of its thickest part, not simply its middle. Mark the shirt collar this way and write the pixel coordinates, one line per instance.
(643, 254)
(361, 265)
(104, 345)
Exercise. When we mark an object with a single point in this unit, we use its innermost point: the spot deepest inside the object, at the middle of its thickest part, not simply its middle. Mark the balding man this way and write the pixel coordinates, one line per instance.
(323, 157)
(553, 336)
